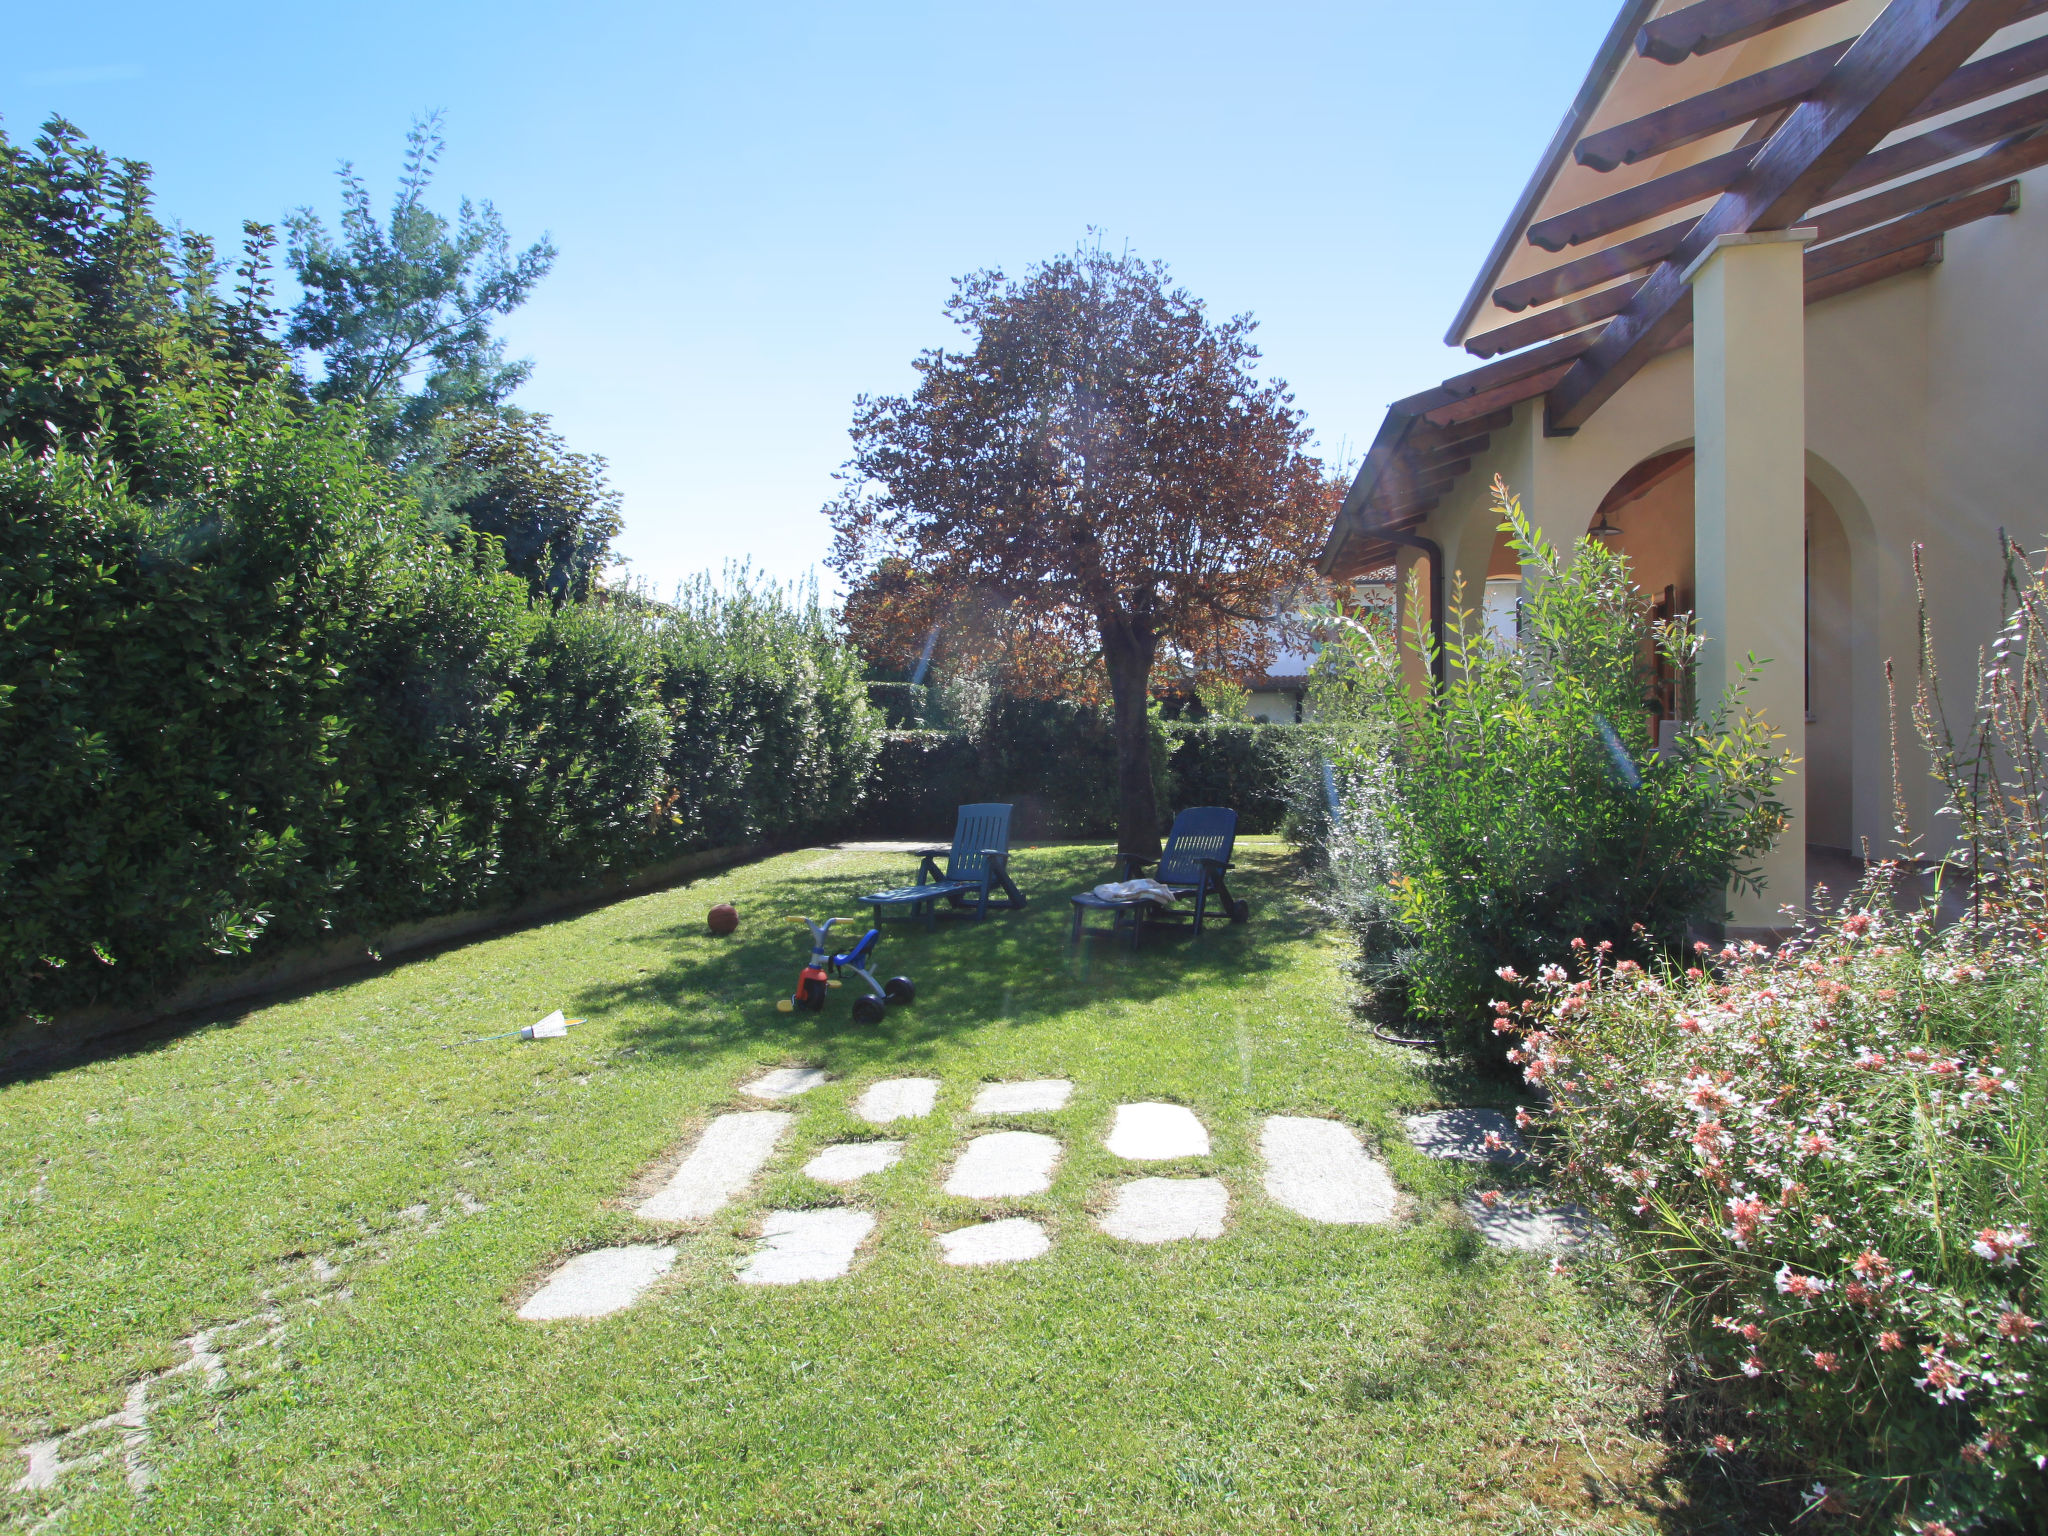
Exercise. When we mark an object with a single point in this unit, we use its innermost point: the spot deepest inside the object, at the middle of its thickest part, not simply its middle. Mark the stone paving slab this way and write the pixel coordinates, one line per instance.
(1520, 1226)
(897, 1098)
(1040, 1096)
(797, 1246)
(786, 1082)
(1157, 1133)
(599, 1283)
(1167, 1210)
(847, 1162)
(994, 1242)
(1317, 1168)
(1462, 1134)
(1004, 1164)
(732, 1150)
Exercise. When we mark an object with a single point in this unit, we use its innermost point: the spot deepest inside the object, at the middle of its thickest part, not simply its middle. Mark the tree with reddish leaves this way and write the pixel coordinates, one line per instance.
(1099, 481)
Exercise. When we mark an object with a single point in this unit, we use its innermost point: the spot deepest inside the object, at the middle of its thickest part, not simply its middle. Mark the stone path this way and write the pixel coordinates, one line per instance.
(1523, 1221)
(1317, 1168)
(598, 1284)
(1157, 1133)
(994, 1242)
(732, 1150)
(1167, 1210)
(849, 1162)
(806, 1245)
(1468, 1135)
(897, 1098)
(786, 1082)
(1003, 1165)
(1039, 1097)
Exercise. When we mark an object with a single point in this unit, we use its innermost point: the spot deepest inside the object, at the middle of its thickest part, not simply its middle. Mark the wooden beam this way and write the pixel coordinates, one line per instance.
(1585, 271)
(1425, 438)
(1753, 96)
(1907, 259)
(1683, 122)
(1822, 260)
(1660, 194)
(1464, 448)
(2009, 159)
(1712, 24)
(1986, 77)
(1506, 394)
(1909, 197)
(1910, 48)
(1943, 143)
(1552, 322)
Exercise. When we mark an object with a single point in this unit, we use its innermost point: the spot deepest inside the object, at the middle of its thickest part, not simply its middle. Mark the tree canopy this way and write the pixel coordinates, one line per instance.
(410, 301)
(1098, 478)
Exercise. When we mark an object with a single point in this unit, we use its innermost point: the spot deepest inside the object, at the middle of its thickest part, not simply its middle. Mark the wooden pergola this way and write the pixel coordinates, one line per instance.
(1808, 155)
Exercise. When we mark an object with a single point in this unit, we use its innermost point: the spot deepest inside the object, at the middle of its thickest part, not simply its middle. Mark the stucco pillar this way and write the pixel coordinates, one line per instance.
(1749, 507)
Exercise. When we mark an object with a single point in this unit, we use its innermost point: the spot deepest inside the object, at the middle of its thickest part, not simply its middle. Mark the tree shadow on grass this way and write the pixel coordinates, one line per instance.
(1013, 970)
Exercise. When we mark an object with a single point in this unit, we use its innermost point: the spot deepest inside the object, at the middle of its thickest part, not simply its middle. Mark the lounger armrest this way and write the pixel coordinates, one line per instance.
(929, 853)
(1215, 864)
(1133, 866)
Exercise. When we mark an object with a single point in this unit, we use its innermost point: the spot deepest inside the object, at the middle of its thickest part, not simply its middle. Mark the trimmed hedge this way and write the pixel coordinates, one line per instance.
(276, 708)
(1056, 764)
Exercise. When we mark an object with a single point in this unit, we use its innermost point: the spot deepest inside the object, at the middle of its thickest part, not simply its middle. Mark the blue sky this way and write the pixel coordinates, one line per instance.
(760, 206)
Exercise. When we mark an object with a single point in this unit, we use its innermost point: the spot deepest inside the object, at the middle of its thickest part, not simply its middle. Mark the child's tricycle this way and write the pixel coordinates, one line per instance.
(822, 972)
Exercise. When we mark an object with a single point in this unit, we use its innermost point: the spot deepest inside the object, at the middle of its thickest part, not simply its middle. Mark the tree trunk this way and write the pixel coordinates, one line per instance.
(1128, 647)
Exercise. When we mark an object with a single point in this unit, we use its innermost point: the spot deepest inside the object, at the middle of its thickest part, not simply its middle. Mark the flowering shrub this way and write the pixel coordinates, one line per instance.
(1520, 803)
(1831, 1156)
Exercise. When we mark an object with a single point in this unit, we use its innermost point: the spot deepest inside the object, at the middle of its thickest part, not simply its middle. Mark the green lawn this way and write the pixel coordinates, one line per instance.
(324, 1158)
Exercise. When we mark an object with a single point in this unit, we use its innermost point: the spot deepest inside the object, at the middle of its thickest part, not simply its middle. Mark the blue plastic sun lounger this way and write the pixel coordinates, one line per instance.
(1192, 864)
(977, 867)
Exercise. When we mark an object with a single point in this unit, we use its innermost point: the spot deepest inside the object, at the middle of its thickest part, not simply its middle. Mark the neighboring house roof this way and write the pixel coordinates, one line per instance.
(1720, 117)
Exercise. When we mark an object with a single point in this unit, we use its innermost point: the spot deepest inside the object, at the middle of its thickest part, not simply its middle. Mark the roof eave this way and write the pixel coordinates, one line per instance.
(1613, 53)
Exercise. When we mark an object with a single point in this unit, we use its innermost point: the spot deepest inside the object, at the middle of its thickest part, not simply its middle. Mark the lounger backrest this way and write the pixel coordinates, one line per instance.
(979, 827)
(1199, 832)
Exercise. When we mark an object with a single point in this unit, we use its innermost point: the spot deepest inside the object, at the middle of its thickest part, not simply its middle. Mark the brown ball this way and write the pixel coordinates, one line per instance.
(723, 918)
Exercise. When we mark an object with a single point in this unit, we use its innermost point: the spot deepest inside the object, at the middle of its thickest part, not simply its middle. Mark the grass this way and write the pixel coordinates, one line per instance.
(320, 1161)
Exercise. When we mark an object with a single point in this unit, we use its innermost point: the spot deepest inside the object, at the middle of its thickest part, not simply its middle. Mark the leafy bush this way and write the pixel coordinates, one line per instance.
(1831, 1159)
(1521, 804)
(271, 706)
(904, 706)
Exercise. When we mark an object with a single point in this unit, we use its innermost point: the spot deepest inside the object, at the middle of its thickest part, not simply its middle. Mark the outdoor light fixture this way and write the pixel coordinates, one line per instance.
(1603, 529)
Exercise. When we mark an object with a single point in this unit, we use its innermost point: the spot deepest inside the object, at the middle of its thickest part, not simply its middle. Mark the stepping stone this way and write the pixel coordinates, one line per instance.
(1317, 1168)
(786, 1082)
(806, 1245)
(995, 1242)
(1462, 1133)
(1156, 1133)
(850, 1161)
(898, 1098)
(1003, 1164)
(1167, 1210)
(598, 1284)
(1037, 1097)
(1520, 1227)
(731, 1151)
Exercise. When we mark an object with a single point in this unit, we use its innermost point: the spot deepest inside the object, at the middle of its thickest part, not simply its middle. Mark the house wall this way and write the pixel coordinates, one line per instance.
(1924, 400)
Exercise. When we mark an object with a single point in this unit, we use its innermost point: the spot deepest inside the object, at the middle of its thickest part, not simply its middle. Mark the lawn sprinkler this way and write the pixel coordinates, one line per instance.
(821, 972)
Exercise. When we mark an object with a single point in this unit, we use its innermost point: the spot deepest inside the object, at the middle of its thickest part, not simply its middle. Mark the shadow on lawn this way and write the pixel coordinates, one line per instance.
(1014, 969)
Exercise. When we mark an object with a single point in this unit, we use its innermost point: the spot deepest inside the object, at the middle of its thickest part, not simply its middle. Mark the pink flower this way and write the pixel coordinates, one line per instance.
(1801, 1287)
(2001, 1245)
(1890, 1341)
(1816, 1143)
(1827, 1360)
(1489, 1198)
(1523, 1119)
(1871, 1264)
(1699, 946)
(1495, 1142)
(1943, 1381)
(1753, 1367)
(1578, 943)
(1856, 926)
(1688, 1025)
(2015, 1325)
(1723, 1445)
(1508, 973)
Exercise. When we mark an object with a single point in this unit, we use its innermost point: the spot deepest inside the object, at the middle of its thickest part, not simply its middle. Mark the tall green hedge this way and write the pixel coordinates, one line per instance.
(271, 706)
(1057, 765)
